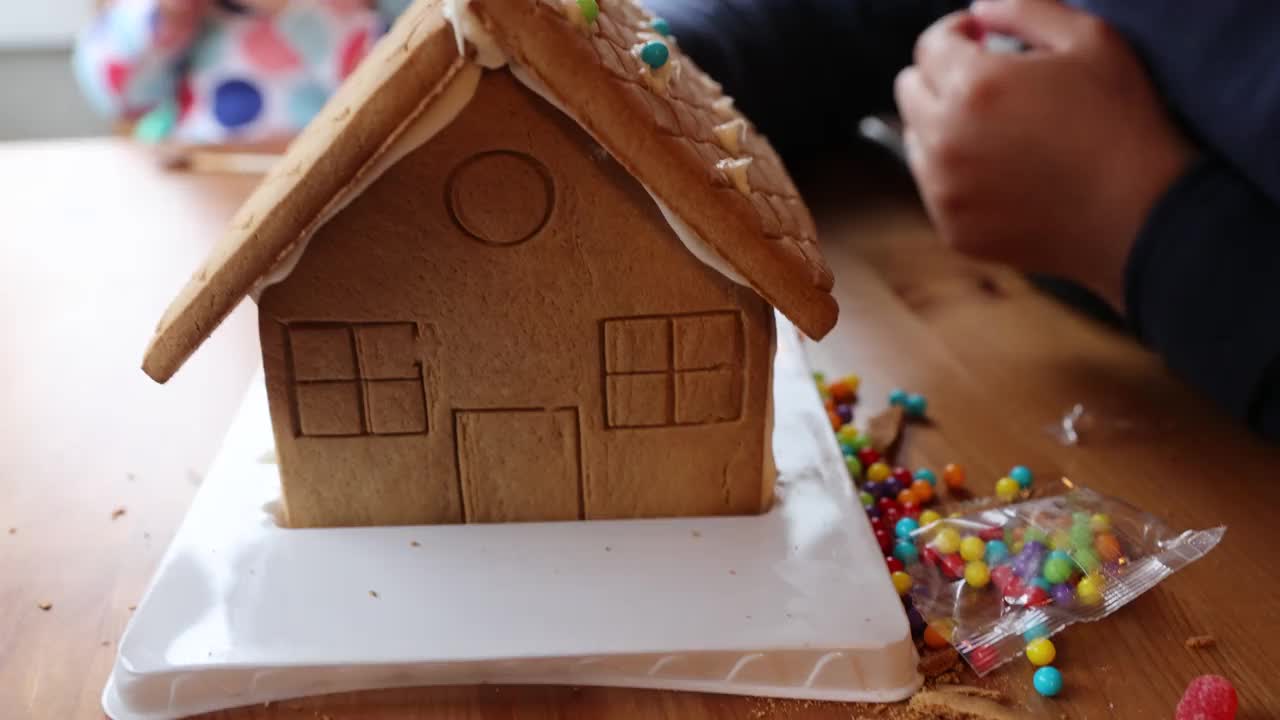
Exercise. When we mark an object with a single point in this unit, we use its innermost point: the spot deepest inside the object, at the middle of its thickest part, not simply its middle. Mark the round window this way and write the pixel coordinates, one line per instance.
(501, 197)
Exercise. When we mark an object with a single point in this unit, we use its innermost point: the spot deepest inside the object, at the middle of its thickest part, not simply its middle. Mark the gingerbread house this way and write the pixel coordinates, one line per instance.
(522, 267)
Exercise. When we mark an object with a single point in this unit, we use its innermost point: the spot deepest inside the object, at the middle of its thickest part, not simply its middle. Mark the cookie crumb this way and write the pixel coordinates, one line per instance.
(45, 606)
(934, 664)
(414, 543)
(119, 512)
(132, 608)
(986, 693)
(1200, 642)
(106, 643)
(732, 571)
(13, 531)
(696, 534)
(608, 549)
(373, 594)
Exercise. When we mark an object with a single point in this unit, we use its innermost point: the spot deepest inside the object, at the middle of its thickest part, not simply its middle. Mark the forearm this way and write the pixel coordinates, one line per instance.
(1201, 289)
(127, 60)
(804, 71)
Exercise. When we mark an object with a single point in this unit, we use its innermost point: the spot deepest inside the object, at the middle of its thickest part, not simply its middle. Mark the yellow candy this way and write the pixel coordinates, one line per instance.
(947, 541)
(1061, 540)
(878, 472)
(901, 582)
(1007, 489)
(853, 381)
(972, 548)
(1017, 546)
(1089, 590)
(929, 516)
(1100, 523)
(1041, 651)
(848, 434)
(977, 574)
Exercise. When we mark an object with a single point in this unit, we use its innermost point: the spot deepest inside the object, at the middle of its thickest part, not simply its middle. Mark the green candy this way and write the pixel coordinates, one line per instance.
(156, 125)
(1057, 570)
(855, 467)
(1081, 537)
(590, 10)
(1035, 534)
(1086, 559)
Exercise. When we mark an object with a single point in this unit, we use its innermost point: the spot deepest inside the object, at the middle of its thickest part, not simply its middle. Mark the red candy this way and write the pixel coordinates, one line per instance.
(1208, 697)
(984, 658)
(930, 557)
(892, 516)
(953, 565)
(868, 456)
(1000, 576)
(886, 542)
(991, 534)
(903, 475)
(1036, 596)
(877, 524)
(895, 565)
(885, 503)
(1014, 590)
(911, 509)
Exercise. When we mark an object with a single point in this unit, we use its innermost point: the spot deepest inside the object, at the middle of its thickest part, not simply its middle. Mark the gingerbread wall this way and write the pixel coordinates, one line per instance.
(503, 327)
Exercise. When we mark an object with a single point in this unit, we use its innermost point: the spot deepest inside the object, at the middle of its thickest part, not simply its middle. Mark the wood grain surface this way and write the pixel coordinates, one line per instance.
(97, 239)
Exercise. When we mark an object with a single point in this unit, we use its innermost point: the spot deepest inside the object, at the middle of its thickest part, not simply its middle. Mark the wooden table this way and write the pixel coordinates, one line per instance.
(96, 240)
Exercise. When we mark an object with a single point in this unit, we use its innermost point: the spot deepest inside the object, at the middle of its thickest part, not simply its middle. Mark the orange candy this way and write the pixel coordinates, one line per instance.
(836, 422)
(841, 391)
(923, 491)
(953, 476)
(906, 496)
(1108, 547)
(935, 639)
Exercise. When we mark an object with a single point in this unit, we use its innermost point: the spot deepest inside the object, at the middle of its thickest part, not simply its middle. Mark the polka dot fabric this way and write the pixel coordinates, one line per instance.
(233, 74)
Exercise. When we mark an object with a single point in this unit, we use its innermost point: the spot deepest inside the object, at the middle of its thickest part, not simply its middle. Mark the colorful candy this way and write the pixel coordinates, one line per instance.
(878, 471)
(1089, 589)
(853, 466)
(927, 475)
(847, 435)
(892, 488)
(1058, 567)
(996, 552)
(1007, 489)
(906, 495)
(1035, 632)
(953, 566)
(868, 456)
(1100, 523)
(590, 11)
(916, 405)
(1041, 651)
(903, 475)
(929, 516)
(906, 551)
(947, 541)
(1208, 697)
(898, 397)
(655, 54)
(884, 540)
(1047, 681)
(901, 582)
(845, 411)
(1022, 475)
(937, 635)
(866, 498)
(976, 574)
(923, 491)
(953, 476)
(659, 25)
(1107, 547)
(972, 548)
(894, 564)
(845, 390)
(905, 527)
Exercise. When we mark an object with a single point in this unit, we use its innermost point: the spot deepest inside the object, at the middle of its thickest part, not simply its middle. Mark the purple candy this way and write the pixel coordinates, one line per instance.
(872, 511)
(1027, 563)
(916, 620)
(1063, 595)
(892, 487)
(875, 489)
(845, 411)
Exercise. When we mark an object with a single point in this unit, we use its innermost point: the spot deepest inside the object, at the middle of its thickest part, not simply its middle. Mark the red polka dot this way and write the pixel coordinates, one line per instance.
(117, 77)
(267, 50)
(353, 51)
(186, 97)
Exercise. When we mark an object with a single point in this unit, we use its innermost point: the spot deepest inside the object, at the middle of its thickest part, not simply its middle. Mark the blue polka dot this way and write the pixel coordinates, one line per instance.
(236, 103)
(305, 103)
(308, 33)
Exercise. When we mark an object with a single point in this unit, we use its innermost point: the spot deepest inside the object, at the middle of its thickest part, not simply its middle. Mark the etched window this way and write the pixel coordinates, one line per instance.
(673, 370)
(356, 379)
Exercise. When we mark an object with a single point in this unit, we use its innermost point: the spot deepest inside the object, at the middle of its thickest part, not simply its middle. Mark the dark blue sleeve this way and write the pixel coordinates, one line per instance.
(1203, 289)
(804, 71)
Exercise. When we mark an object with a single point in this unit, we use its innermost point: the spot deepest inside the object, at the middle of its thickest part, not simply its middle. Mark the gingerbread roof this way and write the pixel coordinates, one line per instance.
(674, 131)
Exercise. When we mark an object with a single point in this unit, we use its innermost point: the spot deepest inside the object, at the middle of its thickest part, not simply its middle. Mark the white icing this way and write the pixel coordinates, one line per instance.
(468, 30)
(736, 170)
(724, 107)
(439, 114)
(444, 109)
(731, 135)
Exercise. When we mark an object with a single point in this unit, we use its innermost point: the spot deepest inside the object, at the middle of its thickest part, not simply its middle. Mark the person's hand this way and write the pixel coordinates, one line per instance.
(1049, 159)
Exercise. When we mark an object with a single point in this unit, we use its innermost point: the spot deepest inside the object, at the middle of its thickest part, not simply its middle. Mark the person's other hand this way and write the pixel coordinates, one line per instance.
(1049, 159)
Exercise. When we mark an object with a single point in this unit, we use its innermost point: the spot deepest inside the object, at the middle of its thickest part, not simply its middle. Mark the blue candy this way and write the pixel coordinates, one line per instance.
(916, 405)
(1048, 681)
(1035, 632)
(906, 551)
(927, 475)
(1043, 584)
(1023, 475)
(997, 552)
(655, 54)
(661, 26)
(905, 527)
(898, 396)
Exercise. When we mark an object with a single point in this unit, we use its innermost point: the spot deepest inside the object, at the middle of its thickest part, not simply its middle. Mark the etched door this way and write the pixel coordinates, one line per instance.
(517, 465)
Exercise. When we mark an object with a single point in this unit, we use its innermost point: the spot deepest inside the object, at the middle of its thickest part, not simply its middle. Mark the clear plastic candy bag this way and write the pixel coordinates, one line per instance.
(1033, 568)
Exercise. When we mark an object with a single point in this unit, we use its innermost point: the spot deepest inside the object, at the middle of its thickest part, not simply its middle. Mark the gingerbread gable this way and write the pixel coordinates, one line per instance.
(718, 181)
